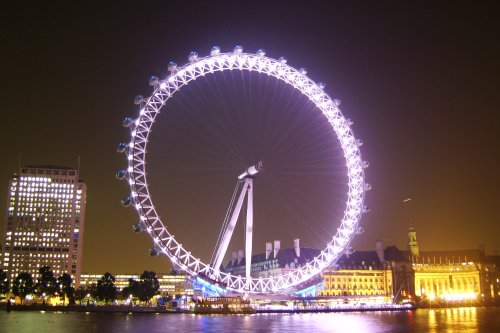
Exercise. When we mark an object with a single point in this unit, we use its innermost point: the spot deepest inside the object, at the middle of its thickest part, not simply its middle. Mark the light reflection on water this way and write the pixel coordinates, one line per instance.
(453, 320)
(422, 320)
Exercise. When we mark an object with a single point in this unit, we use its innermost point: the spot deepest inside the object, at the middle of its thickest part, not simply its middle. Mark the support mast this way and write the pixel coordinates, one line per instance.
(247, 178)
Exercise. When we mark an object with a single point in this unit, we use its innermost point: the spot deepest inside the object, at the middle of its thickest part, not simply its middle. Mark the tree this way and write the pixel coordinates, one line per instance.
(47, 283)
(65, 283)
(106, 289)
(149, 285)
(80, 294)
(4, 282)
(133, 289)
(92, 290)
(23, 285)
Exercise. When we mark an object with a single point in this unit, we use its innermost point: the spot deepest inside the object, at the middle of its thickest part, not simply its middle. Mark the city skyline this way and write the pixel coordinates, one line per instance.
(419, 84)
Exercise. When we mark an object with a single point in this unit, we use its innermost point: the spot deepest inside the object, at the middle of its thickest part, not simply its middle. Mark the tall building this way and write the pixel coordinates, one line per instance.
(44, 222)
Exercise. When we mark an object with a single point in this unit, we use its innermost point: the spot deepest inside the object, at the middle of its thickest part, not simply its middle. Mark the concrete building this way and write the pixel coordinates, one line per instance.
(359, 275)
(379, 276)
(456, 275)
(44, 222)
(170, 284)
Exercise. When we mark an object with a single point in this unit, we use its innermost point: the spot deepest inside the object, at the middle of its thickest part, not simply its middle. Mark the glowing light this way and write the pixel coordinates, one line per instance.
(215, 51)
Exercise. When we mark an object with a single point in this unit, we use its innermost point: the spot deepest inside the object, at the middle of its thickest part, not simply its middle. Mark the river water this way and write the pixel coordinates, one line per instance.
(421, 320)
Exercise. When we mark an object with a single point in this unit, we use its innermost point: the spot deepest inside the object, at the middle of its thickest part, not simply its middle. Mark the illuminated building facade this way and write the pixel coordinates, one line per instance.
(44, 222)
(458, 275)
(170, 284)
(377, 276)
(360, 274)
(449, 275)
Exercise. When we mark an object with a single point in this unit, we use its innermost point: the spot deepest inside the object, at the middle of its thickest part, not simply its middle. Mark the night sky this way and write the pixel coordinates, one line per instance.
(421, 84)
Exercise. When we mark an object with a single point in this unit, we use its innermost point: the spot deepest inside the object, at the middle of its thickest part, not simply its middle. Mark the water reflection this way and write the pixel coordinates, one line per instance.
(453, 320)
(461, 319)
(422, 320)
(432, 321)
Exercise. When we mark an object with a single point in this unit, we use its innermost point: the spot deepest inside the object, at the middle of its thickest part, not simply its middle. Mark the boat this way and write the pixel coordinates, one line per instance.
(223, 305)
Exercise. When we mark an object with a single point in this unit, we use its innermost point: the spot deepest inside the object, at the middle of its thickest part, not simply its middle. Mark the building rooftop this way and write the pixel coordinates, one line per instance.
(284, 257)
(47, 166)
(360, 260)
(447, 256)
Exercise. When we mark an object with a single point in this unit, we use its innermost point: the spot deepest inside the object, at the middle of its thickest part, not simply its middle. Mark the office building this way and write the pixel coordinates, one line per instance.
(44, 222)
(170, 284)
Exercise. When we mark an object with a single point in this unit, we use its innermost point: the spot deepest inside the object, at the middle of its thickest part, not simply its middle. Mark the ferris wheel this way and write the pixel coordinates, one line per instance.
(164, 241)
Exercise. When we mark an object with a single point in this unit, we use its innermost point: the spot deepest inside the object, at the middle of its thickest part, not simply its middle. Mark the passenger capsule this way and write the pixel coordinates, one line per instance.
(154, 252)
(137, 227)
(359, 142)
(138, 99)
(337, 102)
(261, 52)
(215, 51)
(120, 174)
(121, 147)
(282, 60)
(153, 81)
(127, 201)
(321, 85)
(192, 56)
(365, 164)
(127, 122)
(366, 209)
(349, 122)
(238, 49)
(367, 186)
(172, 66)
(360, 230)
(303, 71)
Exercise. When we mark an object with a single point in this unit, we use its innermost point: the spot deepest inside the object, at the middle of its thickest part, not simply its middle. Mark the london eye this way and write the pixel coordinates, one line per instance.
(137, 174)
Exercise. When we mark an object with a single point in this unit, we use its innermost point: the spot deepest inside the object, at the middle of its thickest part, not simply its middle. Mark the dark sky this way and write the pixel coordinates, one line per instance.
(421, 83)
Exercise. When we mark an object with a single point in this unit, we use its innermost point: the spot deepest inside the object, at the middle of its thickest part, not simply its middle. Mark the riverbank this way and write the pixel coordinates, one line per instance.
(162, 309)
(343, 309)
(91, 308)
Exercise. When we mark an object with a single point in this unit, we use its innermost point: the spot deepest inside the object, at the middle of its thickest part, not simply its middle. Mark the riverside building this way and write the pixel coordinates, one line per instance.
(381, 276)
(44, 222)
(170, 284)
(454, 276)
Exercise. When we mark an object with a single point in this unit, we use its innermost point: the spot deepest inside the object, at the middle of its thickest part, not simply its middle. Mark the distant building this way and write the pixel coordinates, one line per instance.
(44, 222)
(367, 276)
(275, 261)
(360, 275)
(384, 275)
(457, 275)
(170, 284)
